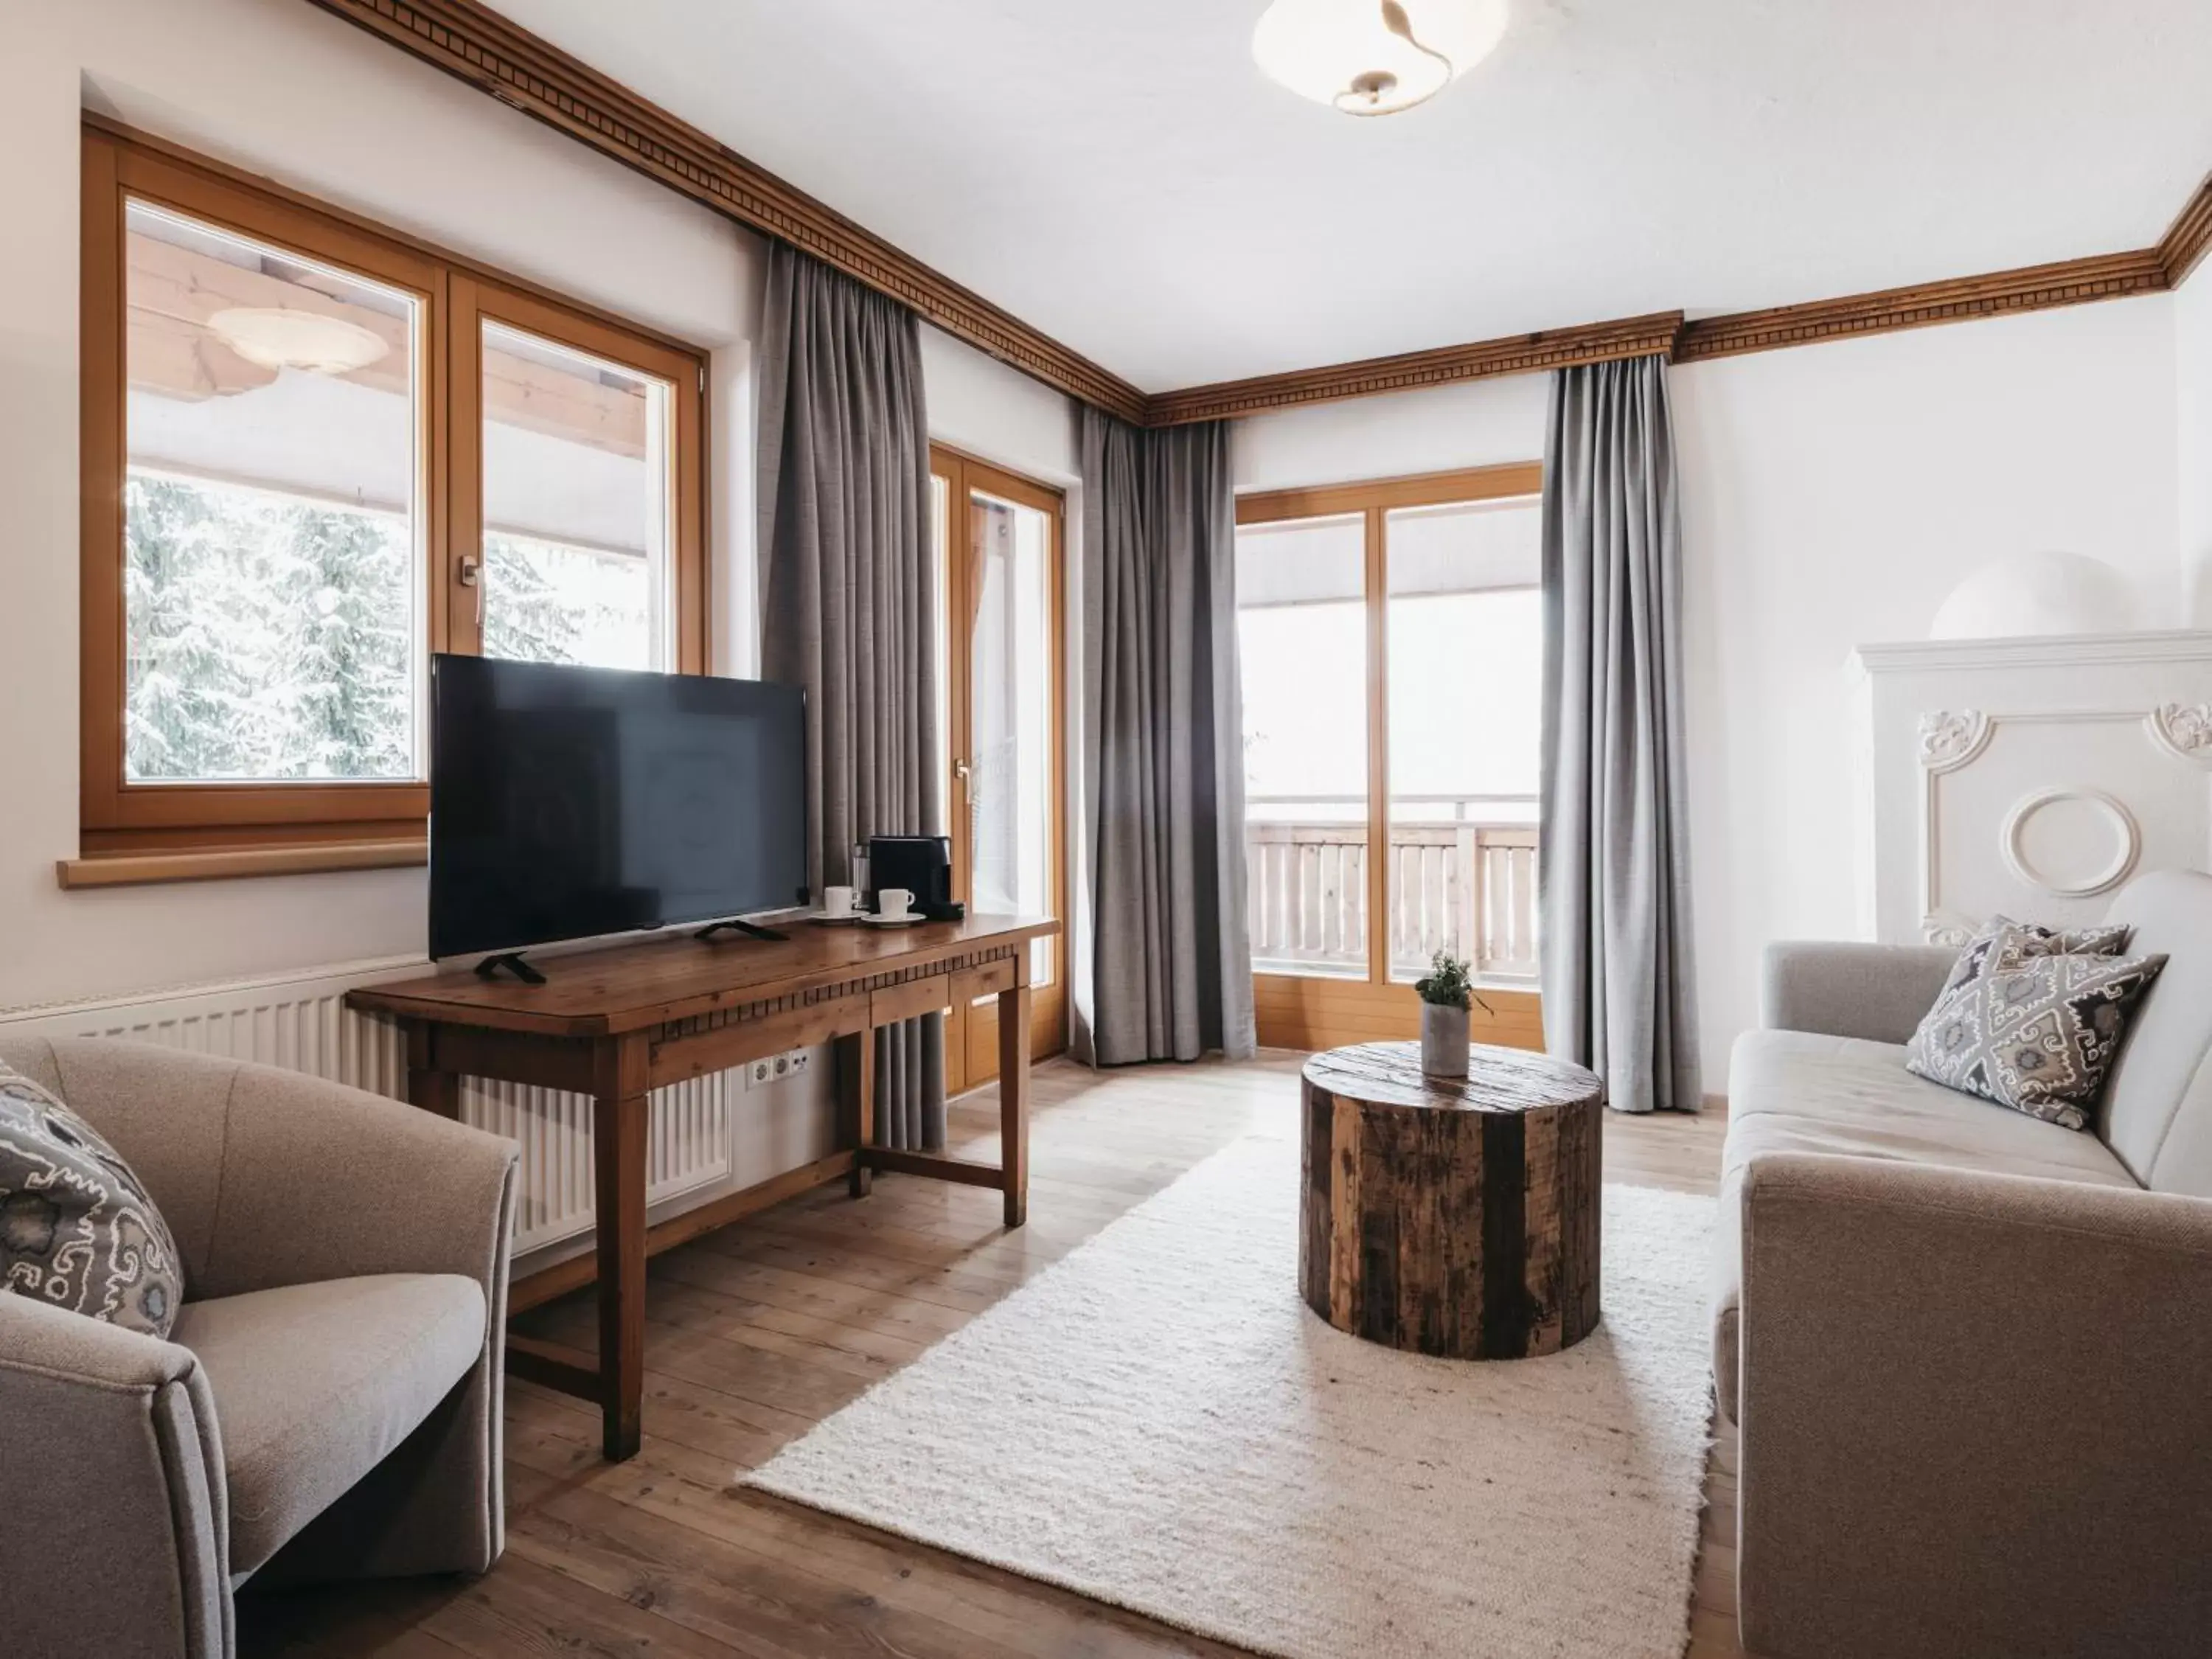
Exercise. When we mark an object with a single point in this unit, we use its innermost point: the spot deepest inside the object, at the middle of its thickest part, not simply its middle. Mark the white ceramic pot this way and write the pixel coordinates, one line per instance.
(1443, 1040)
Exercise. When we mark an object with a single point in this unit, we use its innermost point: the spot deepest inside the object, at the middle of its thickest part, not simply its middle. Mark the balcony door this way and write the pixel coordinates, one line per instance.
(1391, 636)
(1002, 617)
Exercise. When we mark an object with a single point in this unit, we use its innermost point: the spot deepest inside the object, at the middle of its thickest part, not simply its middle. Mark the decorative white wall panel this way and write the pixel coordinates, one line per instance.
(301, 1022)
(2031, 776)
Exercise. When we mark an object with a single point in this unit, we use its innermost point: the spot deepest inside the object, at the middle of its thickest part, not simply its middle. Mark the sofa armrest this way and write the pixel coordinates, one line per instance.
(1973, 1415)
(1878, 991)
(111, 1472)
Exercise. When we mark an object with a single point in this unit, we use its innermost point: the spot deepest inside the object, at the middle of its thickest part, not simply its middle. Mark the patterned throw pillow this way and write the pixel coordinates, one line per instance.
(2031, 1029)
(76, 1228)
(2028, 939)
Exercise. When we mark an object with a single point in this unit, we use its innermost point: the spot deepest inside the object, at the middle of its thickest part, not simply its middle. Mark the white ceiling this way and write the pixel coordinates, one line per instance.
(1118, 174)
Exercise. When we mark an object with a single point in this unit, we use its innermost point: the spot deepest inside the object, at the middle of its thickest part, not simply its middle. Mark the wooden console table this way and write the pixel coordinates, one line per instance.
(616, 1023)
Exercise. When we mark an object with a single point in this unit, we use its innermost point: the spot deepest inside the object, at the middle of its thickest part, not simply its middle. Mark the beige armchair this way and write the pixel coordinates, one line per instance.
(329, 1403)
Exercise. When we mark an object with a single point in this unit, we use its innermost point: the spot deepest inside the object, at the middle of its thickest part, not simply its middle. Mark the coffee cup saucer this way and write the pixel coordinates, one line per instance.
(906, 920)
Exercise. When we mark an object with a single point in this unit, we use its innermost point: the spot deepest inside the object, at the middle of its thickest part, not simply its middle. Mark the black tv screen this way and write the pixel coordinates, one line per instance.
(570, 802)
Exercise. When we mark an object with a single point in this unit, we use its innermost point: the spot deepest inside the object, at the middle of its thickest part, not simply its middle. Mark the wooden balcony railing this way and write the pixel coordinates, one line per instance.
(1457, 883)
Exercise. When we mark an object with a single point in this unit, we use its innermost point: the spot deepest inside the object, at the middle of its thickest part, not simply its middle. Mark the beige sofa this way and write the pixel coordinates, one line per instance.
(1969, 1354)
(328, 1405)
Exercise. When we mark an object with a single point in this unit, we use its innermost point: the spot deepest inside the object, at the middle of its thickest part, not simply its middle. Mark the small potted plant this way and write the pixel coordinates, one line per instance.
(1445, 996)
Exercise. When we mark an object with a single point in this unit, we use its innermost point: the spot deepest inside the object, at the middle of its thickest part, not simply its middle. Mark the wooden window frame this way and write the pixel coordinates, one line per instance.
(131, 832)
(1311, 1011)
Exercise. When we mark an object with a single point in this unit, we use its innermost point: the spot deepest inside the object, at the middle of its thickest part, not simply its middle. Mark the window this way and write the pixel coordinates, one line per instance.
(1390, 638)
(314, 453)
(583, 481)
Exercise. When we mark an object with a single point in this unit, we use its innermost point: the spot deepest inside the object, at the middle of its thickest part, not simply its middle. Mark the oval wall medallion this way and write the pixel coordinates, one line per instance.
(2070, 842)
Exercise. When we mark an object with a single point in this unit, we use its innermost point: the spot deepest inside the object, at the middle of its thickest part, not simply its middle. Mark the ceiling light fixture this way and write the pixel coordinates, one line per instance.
(274, 337)
(1374, 57)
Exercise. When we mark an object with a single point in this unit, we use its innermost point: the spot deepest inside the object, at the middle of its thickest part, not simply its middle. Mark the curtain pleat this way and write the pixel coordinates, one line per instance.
(1163, 745)
(848, 575)
(1619, 993)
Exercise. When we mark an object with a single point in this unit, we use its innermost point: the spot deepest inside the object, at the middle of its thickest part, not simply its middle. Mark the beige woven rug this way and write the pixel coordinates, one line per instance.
(1158, 1421)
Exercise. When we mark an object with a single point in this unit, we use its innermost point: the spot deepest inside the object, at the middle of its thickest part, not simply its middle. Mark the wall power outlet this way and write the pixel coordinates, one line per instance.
(775, 1068)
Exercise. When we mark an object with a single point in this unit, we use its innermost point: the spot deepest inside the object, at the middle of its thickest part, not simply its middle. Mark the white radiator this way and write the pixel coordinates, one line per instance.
(301, 1022)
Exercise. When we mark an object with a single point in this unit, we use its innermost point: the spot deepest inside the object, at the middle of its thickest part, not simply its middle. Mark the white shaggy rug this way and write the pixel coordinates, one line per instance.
(1158, 1421)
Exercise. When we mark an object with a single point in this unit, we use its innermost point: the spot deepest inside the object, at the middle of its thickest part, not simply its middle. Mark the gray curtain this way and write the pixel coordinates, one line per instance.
(1619, 995)
(847, 598)
(1164, 760)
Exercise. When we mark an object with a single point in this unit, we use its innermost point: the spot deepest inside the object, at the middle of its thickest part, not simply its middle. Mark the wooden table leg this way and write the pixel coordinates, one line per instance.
(620, 1119)
(856, 1103)
(428, 1087)
(1014, 1100)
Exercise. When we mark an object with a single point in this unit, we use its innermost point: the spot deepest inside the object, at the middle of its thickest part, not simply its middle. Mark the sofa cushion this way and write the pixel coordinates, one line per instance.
(2029, 1028)
(2157, 1111)
(2001, 936)
(77, 1228)
(1795, 1091)
(315, 1384)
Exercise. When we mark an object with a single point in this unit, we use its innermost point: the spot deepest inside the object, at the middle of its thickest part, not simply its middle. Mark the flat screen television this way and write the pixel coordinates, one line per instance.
(566, 802)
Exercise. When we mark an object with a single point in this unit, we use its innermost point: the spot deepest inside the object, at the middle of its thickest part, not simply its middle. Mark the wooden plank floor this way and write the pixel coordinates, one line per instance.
(759, 1331)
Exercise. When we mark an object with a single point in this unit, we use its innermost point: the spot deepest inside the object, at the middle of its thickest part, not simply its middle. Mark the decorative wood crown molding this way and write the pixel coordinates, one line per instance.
(1515, 354)
(477, 45)
(2188, 238)
(467, 40)
(2033, 288)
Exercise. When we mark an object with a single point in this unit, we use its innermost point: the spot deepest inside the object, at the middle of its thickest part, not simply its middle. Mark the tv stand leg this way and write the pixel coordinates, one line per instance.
(513, 962)
(856, 1087)
(751, 930)
(621, 1116)
(428, 1087)
(1014, 1095)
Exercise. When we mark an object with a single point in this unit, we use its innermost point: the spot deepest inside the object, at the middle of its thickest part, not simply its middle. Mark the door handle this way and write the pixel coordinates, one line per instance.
(960, 771)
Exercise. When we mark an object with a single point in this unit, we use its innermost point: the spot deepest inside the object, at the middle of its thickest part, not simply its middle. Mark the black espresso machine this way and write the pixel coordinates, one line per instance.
(920, 864)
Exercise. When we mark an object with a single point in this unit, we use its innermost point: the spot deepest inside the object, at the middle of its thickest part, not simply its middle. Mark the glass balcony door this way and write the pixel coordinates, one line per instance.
(1002, 612)
(1464, 619)
(1389, 637)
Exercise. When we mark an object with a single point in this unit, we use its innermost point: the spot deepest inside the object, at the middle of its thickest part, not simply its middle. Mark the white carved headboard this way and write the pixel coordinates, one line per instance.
(2031, 776)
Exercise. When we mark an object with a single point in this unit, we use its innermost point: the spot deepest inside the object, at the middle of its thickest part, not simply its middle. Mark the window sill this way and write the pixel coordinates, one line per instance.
(225, 863)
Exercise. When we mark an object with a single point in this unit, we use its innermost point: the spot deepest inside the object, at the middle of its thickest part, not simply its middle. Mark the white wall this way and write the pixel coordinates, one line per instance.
(1832, 495)
(2192, 330)
(1481, 424)
(979, 405)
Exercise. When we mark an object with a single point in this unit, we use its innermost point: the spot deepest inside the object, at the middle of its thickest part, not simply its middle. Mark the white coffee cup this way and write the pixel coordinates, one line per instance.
(891, 903)
(837, 902)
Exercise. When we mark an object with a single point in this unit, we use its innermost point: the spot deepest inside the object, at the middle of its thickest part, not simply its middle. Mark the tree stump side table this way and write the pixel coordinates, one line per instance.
(1452, 1217)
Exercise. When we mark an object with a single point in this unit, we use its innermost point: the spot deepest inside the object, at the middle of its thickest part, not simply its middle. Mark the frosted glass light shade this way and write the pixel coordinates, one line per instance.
(2034, 594)
(1374, 57)
(276, 336)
